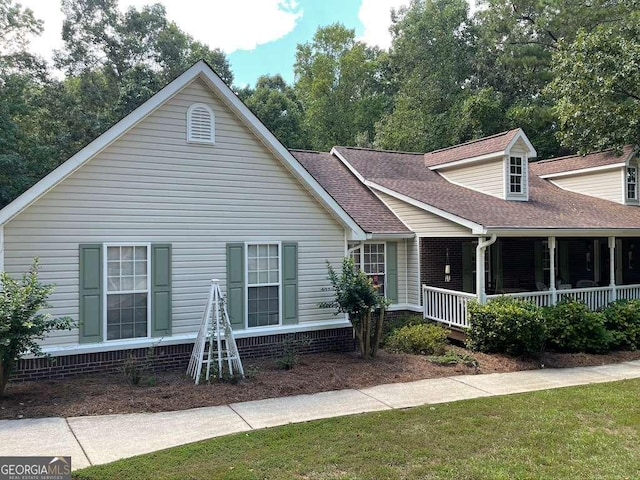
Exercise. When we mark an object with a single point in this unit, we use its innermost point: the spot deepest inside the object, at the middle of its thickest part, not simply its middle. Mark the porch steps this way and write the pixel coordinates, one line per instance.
(215, 330)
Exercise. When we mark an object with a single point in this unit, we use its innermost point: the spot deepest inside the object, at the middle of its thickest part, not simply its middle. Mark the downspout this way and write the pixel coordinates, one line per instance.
(480, 267)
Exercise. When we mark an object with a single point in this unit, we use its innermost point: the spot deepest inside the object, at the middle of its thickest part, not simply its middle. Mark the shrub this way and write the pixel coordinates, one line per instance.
(356, 295)
(22, 322)
(506, 325)
(572, 327)
(424, 339)
(451, 357)
(622, 319)
(394, 323)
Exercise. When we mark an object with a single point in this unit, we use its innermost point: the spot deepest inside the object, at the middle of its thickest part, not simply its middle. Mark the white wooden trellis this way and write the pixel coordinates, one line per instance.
(215, 330)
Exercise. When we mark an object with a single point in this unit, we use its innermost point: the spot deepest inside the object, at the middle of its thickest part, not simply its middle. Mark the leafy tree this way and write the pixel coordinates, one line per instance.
(23, 78)
(114, 62)
(515, 42)
(430, 63)
(338, 82)
(356, 296)
(22, 322)
(276, 104)
(597, 85)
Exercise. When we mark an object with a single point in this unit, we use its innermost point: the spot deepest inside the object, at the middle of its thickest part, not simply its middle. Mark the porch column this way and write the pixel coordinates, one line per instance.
(552, 270)
(612, 268)
(480, 267)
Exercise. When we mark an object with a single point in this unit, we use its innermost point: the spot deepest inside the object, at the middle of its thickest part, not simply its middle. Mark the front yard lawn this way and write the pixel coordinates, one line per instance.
(590, 432)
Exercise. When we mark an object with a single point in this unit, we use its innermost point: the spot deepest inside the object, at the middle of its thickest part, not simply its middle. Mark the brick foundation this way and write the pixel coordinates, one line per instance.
(175, 357)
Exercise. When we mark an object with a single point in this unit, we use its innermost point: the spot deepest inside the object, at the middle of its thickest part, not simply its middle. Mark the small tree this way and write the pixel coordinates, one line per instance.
(21, 322)
(356, 295)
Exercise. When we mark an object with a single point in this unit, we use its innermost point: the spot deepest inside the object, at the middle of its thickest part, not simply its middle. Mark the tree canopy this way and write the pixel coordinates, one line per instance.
(566, 71)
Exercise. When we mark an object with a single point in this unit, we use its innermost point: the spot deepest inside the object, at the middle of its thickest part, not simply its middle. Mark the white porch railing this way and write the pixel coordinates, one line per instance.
(594, 297)
(446, 306)
(542, 299)
(450, 306)
(628, 292)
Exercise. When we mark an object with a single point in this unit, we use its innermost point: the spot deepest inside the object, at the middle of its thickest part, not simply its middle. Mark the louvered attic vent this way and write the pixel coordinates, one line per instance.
(200, 124)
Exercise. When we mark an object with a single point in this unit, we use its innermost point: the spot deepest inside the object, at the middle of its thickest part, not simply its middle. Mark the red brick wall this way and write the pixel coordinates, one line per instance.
(173, 357)
(433, 259)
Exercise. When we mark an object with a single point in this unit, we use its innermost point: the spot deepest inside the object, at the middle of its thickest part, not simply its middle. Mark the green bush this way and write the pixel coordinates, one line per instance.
(622, 319)
(506, 325)
(423, 339)
(572, 327)
(23, 323)
(394, 323)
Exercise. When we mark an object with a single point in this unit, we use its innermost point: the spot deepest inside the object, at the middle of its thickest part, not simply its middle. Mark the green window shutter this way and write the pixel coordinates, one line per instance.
(235, 284)
(289, 283)
(468, 267)
(537, 259)
(90, 293)
(391, 285)
(160, 290)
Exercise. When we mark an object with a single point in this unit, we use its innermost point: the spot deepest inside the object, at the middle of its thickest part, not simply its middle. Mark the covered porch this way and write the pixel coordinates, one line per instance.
(596, 270)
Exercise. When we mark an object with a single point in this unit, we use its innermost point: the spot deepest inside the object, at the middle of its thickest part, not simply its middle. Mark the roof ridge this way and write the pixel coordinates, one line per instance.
(577, 155)
(495, 135)
(379, 150)
(303, 150)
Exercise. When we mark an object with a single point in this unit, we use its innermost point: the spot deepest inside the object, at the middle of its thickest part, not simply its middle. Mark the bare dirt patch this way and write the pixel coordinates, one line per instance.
(105, 394)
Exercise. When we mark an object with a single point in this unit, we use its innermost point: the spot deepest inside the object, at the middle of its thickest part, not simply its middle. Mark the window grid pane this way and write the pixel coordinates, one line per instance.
(515, 174)
(263, 306)
(126, 315)
(632, 183)
(127, 269)
(263, 264)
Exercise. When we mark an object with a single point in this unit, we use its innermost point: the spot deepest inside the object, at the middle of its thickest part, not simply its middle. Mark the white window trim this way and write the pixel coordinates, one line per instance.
(105, 292)
(360, 245)
(523, 195)
(190, 139)
(246, 283)
(629, 199)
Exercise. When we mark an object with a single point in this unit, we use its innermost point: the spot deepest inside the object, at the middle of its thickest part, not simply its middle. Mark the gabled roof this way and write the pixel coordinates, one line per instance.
(574, 164)
(404, 176)
(204, 72)
(486, 147)
(361, 204)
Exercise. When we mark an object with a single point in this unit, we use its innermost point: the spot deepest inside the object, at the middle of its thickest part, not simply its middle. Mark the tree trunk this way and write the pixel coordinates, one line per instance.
(378, 332)
(5, 372)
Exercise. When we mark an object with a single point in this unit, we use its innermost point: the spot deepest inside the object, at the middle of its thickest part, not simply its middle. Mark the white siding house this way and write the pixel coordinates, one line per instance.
(195, 192)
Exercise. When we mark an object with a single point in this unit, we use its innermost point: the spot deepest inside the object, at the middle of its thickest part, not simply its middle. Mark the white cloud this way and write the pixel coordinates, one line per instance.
(228, 25)
(375, 16)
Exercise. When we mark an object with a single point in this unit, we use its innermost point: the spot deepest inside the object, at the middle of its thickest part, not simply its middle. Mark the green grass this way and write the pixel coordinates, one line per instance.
(590, 432)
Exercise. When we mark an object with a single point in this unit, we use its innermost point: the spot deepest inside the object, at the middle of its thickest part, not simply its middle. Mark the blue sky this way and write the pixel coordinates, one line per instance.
(279, 56)
(258, 36)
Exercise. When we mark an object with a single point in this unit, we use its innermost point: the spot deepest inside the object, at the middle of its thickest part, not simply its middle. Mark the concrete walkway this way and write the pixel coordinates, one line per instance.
(105, 438)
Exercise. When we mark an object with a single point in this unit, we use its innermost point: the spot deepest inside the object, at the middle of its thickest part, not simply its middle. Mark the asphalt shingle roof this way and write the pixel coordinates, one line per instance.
(549, 207)
(475, 148)
(356, 199)
(579, 162)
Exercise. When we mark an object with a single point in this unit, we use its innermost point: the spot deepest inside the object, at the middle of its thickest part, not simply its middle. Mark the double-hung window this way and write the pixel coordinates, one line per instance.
(127, 293)
(516, 175)
(263, 284)
(632, 183)
(370, 258)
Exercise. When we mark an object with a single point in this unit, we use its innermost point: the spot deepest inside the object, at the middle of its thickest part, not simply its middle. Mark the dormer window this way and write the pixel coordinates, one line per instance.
(516, 175)
(200, 124)
(632, 183)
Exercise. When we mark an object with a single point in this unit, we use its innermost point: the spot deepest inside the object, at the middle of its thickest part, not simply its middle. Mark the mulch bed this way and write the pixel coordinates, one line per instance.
(107, 394)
